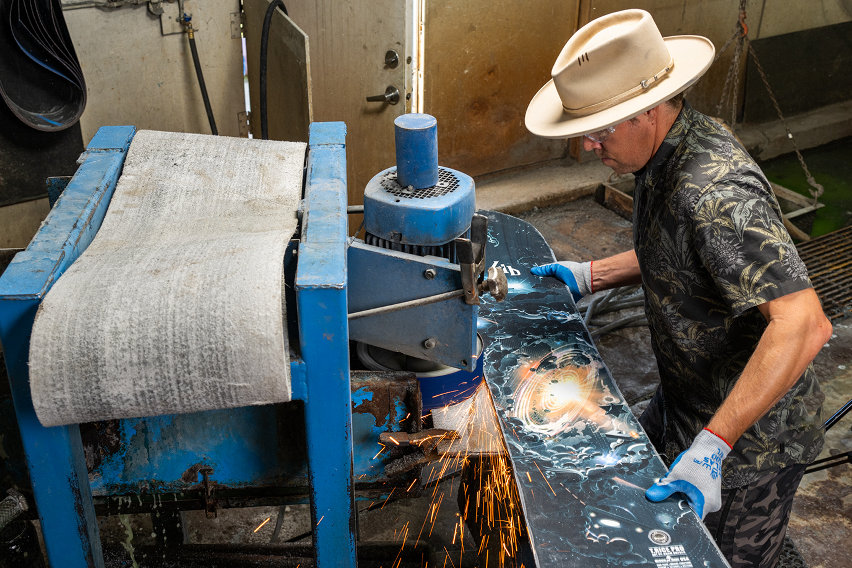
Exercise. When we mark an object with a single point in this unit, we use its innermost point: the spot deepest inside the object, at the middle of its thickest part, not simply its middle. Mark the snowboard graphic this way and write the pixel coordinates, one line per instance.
(581, 460)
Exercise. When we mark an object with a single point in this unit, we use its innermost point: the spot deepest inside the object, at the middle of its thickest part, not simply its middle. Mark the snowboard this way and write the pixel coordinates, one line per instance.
(580, 458)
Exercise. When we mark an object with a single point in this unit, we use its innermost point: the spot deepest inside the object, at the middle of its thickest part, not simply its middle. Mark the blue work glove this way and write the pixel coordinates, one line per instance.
(697, 473)
(576, 275)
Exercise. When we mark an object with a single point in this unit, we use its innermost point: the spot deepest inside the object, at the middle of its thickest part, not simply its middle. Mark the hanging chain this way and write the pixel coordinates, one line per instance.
(731, 85)
(729, 92)
(816, 189)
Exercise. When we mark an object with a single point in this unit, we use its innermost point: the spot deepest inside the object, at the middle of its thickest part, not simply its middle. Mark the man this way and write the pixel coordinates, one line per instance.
(734, 320)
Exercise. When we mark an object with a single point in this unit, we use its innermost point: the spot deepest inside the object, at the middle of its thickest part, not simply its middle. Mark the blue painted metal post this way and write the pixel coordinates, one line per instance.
(321, 294)
(55, 455)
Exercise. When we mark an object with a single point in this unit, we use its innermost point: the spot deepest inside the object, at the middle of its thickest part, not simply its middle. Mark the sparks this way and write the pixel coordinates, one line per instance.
(388, 498)
(544, 478)
(627, 483)
(260, 526)
(445, 393)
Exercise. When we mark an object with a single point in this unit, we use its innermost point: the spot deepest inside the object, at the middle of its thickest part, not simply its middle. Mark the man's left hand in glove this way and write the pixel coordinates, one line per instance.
(697, 473)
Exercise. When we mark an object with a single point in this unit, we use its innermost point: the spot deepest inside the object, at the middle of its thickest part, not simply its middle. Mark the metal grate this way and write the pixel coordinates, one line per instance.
(447, 183)
(790, 556)
(829, 262)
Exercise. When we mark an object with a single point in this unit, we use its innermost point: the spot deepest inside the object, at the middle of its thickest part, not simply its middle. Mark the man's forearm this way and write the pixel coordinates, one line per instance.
(618, 270)
(796, 332)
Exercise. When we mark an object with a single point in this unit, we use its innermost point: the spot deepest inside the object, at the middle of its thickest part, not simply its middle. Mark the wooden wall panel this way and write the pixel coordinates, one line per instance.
(788, 16)
(714, 19)
(485, 59)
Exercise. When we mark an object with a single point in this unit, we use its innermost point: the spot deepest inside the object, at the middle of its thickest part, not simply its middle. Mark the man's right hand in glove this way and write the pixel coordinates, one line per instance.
(576, 275)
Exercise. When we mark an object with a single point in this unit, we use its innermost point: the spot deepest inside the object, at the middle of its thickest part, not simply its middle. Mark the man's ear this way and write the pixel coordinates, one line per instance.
(651, 114)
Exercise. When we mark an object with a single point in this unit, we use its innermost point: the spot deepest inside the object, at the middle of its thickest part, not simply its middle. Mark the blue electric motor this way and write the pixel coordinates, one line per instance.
(417, 206)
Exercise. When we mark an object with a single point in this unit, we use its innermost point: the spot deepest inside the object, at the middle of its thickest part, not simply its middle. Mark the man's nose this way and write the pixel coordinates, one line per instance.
(589, 144)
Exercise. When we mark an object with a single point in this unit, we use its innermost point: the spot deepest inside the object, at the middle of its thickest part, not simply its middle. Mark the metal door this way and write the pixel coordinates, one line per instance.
(358, 49)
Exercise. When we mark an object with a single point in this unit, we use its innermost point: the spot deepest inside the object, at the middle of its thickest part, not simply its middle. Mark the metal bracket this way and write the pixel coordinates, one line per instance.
(410, 304)
(237, 24)
(207, 493)
(471, 257)
(170, 19)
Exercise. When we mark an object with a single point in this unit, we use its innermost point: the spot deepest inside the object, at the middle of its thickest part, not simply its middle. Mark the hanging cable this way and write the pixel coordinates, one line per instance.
(190, 33)
(264, 50)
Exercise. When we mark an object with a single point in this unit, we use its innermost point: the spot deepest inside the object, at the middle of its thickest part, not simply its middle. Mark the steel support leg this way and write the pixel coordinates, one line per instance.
(323, 326)
(55, 457)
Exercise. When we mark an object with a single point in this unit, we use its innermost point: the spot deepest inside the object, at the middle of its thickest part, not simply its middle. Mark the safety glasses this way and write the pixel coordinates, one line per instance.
(600, 136)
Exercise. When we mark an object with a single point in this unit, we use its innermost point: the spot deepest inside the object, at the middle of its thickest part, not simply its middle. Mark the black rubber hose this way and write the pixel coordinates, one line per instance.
(201, 84)
(837, 415)
(264, 49)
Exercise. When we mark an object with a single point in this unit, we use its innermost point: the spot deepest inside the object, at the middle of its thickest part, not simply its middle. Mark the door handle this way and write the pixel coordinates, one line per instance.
(390, 96)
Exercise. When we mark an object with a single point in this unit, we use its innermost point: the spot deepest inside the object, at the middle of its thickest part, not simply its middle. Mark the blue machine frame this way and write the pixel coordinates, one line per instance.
(320, 378)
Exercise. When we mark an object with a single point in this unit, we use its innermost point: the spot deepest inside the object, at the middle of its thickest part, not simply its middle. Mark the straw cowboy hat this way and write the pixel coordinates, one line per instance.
(614, 68)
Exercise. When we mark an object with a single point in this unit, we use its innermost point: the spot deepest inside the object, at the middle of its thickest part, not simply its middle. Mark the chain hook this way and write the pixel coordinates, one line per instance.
(742, 24)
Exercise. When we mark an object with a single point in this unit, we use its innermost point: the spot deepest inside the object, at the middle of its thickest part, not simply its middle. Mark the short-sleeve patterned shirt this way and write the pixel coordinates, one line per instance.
(711, 245)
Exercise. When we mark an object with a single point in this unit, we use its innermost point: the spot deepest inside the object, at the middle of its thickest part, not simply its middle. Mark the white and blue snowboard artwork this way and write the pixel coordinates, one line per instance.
(581, 460)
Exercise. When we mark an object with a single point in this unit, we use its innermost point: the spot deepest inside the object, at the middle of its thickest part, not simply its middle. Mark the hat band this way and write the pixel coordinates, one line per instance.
(621, 97)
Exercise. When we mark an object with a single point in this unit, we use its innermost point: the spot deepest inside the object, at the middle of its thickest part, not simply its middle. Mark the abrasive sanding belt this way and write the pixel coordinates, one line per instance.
(177, 304)
(40, 77)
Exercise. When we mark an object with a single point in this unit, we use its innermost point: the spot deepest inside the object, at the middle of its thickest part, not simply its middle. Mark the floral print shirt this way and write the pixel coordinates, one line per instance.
(711, 245)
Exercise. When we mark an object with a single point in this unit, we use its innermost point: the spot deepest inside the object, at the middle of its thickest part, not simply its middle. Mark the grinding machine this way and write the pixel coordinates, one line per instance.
(410, 289)
(381, 335)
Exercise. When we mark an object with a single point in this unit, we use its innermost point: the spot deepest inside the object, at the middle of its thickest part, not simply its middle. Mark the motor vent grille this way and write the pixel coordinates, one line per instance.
(447, 250)
(447, 183)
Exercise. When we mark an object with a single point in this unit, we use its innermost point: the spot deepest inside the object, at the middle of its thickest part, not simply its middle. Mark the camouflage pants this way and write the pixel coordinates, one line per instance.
(749, 528)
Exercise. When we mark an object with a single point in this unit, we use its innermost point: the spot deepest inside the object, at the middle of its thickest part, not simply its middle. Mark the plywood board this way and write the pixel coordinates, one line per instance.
(484, 62)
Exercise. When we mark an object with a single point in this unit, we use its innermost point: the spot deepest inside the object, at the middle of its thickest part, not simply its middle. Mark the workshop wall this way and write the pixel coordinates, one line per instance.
(486, 59)
(139, 69)
(717, 20)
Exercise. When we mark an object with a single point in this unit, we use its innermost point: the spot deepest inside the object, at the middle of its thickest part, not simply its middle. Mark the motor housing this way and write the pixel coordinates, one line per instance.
(418, 207)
